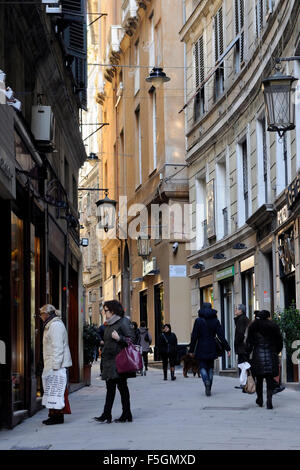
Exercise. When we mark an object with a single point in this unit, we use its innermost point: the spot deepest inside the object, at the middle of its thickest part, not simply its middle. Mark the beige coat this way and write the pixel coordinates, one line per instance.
(56, 352)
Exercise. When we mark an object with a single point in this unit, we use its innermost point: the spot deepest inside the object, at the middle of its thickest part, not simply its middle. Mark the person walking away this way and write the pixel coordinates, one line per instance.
(136, 333)
(56, 355)
(203, 344)
(264, 342)
(146, 340)
(117, 329)
(167, 346)
(241, 323)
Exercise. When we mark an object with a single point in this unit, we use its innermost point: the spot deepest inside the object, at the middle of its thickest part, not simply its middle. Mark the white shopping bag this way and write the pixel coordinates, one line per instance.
(54, 384)
(244, 366)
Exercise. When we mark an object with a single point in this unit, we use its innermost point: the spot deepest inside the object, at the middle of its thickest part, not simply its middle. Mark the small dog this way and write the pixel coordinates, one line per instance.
(189, 363)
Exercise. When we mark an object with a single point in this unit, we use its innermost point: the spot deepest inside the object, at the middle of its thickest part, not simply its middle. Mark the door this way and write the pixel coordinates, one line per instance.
(143, 307)
(227, 311)
(73, 329)
(159, 316)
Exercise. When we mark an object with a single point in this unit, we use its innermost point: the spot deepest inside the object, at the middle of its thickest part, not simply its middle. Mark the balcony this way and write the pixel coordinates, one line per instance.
(129, 15)
(113, 44)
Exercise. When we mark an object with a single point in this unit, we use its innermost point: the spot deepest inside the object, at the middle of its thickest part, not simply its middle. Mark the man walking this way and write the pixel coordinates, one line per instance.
(241, 323)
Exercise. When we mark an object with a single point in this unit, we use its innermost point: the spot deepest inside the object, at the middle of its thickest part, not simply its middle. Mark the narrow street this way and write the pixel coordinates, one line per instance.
(167, 416)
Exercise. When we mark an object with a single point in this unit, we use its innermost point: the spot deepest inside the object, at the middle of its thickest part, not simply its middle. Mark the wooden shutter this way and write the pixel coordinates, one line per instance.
(239, 26)
(199, 62)
(219, 35)
(75, 39)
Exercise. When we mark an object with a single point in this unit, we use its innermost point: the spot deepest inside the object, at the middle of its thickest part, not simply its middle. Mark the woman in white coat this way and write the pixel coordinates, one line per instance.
(56, 354)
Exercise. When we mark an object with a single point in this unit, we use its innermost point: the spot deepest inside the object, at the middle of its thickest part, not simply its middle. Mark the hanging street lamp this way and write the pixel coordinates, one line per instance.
(106, 213)
(157, 77)
(279, 100)
(144, 246)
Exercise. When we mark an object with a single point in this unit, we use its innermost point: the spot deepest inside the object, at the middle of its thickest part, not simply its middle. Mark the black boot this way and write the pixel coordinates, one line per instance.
(269, 400)
(208, 388)
(173, 374)
(54, 419)
(165, 374)
(259, 401)
(124, 417)
(103, 418)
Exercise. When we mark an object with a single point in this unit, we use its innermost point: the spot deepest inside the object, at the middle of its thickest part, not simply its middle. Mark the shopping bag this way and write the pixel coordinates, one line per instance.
(54, 385)
(250, 386)
(129, 359)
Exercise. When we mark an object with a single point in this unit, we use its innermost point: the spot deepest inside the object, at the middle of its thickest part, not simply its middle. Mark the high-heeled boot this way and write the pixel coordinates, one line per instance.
(103, 418)
(165, 374)
(173, 374)
(124, 417)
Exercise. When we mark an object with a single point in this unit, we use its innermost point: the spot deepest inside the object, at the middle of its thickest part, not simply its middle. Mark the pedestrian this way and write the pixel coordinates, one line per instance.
(241, 323)
(168, 349)
(56, 355)
(117, 329)
(203, 343)
(101, 330)
(146, 340)
(264, 342)
(136, 333)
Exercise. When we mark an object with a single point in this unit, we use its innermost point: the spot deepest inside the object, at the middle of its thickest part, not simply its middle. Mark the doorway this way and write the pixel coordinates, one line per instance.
(73, 329)
(143, 307)
(227, 314)
(159, 316)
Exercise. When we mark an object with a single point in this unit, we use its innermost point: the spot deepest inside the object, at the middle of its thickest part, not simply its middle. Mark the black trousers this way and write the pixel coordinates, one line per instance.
(259, 386)
(168, 358)
(111, 386)
(145, 359)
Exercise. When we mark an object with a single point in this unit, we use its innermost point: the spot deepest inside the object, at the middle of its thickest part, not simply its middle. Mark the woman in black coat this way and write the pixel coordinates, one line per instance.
(265, 342)
(203, 343)
(117, 329)
(168, 349)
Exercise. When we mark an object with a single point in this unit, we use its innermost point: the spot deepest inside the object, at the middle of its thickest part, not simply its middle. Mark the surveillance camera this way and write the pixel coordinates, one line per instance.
(200, 265)
(175, 247)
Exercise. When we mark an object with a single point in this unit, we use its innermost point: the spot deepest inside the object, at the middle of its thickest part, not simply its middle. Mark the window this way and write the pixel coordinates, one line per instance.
(154, 128)
(201, 213)
(74, 192)
(199, 103)
(245, 178)
(221, 196)
(158, 44)
(262, 163)
(137, 70)
(138, 147)
(152, 42)
(219, 50)
(67, 177)
(239, 31)
(263, 8)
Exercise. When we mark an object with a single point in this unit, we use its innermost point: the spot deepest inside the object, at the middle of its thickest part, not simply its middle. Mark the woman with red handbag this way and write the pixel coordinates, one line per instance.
(118, 328)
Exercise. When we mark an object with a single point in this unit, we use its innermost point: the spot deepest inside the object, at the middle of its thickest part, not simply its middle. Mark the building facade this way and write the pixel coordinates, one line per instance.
(242, 177)
(144, 163)
(41, 153)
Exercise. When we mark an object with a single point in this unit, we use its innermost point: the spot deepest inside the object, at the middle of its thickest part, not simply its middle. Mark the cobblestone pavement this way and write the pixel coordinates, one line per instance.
(168, 415)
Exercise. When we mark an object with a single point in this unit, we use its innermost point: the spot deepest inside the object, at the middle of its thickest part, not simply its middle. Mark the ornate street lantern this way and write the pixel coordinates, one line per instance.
(143, 244)
(157, 77)
(279, 102)
(106, 213)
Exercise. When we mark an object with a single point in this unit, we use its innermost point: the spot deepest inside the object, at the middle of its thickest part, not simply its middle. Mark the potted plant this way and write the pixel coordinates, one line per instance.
(90, 342)
(289, 323)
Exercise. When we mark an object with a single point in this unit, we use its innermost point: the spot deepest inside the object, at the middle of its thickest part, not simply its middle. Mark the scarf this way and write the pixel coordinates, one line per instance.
(51, 316)
(113, 320)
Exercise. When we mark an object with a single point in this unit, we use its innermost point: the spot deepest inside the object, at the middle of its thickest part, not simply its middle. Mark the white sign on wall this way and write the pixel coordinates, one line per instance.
(177, 270)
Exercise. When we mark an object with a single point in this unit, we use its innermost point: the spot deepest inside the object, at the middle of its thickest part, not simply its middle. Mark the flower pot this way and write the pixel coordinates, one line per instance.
(87, 374)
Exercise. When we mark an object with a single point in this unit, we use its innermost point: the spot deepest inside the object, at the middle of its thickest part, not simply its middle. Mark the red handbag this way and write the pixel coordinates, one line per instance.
(129, 359)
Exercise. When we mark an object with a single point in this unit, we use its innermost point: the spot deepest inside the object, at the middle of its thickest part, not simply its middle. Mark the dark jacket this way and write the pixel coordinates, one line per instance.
(167, 343)
(112, 347)
(265, 342)
(136, 336)
(145, 344)
(206, 328)
(241, 324)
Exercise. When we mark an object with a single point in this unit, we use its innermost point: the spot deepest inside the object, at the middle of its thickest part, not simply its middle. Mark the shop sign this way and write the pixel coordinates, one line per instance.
(293, 192)
(282, 215)
(225, 273)
(149, 266)
(177, 271)
(247, 264)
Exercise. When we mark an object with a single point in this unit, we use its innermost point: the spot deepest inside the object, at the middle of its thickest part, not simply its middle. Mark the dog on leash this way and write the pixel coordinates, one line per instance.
(189, 363)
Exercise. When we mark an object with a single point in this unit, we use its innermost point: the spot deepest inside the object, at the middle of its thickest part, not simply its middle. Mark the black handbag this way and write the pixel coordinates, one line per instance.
(219, 347)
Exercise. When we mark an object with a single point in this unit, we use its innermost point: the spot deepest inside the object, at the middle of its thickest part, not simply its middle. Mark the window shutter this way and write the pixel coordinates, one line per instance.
(199, 62)
(75, 39)
(219, 36)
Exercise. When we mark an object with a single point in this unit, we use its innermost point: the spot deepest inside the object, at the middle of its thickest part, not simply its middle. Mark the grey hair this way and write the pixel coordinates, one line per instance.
(242, 307)
(48, 308)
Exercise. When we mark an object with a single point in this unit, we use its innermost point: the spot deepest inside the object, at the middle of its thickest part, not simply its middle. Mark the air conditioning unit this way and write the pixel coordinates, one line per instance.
(53, 6)
(42, 126)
